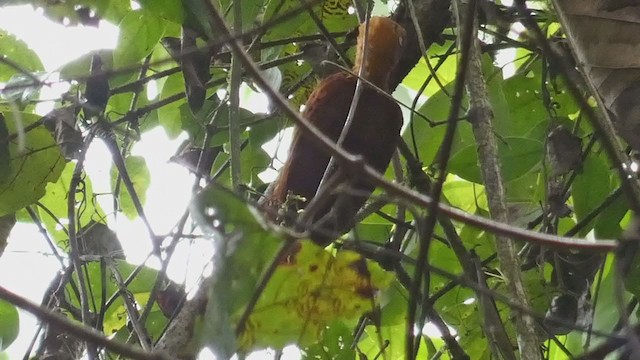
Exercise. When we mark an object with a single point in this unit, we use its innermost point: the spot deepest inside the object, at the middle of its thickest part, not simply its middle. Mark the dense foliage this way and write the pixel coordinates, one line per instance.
(268, 290)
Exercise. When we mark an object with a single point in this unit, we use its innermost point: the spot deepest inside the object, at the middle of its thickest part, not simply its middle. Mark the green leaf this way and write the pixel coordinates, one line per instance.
(140, 31)
(19, 52)
(168, 9)
(429, 137)
(217, 114)
(80, 67)
(420, 72)
(482, 242)
(169, 115)
(465, 195)
(39, 163)
(197, 17)
(441, 256)
(21, 90)
(310, 289)
(140, 177)
(608, 222)
(264, 131)
(9, 324)
(251, 12)
(336, 344)
(437, 109)
(517, 156)
(590, 188)
(526, 108)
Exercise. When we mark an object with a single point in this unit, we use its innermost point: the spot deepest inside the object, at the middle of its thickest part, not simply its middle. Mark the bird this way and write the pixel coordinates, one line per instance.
(374, 134)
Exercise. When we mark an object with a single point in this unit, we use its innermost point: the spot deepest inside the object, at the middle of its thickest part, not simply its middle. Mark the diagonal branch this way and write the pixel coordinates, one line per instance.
(83, 332)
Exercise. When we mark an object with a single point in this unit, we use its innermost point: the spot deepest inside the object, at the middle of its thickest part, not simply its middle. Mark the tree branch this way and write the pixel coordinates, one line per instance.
(481, 117)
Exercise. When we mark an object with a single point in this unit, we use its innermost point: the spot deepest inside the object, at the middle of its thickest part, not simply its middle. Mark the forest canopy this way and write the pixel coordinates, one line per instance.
(479, 204)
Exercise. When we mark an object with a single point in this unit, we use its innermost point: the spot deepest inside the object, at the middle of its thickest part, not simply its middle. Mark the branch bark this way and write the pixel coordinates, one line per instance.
(481, 117)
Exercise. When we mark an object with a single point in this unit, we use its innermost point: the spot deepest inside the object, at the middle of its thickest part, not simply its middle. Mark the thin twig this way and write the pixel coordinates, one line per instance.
(436, 190)
(130, 307)
(74, 245)
(118, 161)
(234, 105)
(350, 115)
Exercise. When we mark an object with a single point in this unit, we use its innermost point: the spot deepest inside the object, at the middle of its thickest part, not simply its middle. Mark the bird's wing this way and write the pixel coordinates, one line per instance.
(326, 109)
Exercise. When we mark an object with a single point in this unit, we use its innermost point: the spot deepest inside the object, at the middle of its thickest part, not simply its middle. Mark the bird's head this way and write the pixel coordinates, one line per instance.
(384, 43)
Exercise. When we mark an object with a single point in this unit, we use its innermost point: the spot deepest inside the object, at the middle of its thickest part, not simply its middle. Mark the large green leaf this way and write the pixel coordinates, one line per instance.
(310, 289)
(591, 187)
(18, 52)
(446, 72)
(39, 163)
(79, 67)
(465, 195)
(517, 157)
(140, 31)
(526, 107)
(169, 115)
(336, 342)
(607, 224)
(168, 9)
(251, 12)
(437, 108)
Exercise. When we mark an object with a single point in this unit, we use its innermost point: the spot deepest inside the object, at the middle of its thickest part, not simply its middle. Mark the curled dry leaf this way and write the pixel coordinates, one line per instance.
(564, 154)
(195, 69)
(61, 123)
(98, 240)
(603, 35)
(97, 89)
(564, 151)
(190, 155)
